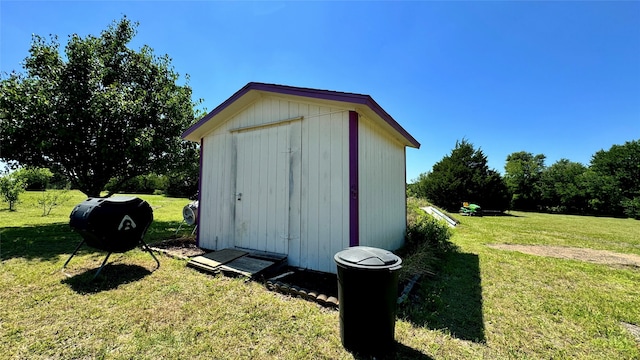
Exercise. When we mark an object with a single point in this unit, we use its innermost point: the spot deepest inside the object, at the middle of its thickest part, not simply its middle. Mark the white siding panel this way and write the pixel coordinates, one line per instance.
(311, 199)
(339, 178)
(305, 185)
(381, 188)
(225, 193)
(324, 191)
(207, 182)
(215, 210)
(295, 171)
(325, 179)
(318, 225)
(295, 191)
(265, 162)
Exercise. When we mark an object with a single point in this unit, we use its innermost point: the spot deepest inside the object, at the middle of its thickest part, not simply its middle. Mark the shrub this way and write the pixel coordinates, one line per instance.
(428, 232)
(142, 184)
(10, 189)
(426, 241)
(52, 198)
(34, 178)
(181, 185)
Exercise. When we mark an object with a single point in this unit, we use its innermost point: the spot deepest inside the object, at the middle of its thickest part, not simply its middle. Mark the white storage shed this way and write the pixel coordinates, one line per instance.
(301, 172)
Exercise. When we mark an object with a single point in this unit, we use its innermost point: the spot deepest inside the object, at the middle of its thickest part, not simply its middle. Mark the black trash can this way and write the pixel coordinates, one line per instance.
(368, 295)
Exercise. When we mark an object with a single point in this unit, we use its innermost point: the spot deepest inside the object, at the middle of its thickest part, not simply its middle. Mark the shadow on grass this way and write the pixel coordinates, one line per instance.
(505, 213)
(452, 301)
(401, 351)
(111, 276)
(39, 242)
(405, 352)
(49, 242)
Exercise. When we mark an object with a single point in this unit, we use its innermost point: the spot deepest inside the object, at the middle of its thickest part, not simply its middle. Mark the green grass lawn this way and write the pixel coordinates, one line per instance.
(484, 302)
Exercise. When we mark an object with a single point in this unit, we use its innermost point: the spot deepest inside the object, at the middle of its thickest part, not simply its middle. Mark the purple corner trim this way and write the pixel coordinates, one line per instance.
(354, 217)
(200, 194)
(310, 93)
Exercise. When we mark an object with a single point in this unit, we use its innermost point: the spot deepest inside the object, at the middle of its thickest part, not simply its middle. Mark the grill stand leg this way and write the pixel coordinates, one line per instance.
(101, 266)
(146, 248)
(144, 245)
(179, 227)
(74, 253)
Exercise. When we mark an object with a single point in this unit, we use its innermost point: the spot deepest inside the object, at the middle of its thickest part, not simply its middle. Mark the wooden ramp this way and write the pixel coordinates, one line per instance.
(237, 261)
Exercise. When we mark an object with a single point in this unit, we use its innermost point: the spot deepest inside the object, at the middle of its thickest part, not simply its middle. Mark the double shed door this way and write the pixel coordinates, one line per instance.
(267, 195)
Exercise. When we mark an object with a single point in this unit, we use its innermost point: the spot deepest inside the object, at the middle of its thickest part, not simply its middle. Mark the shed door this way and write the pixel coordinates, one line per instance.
(264, 182)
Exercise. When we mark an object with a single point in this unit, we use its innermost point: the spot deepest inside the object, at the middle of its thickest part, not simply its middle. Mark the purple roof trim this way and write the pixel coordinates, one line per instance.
(310, 93)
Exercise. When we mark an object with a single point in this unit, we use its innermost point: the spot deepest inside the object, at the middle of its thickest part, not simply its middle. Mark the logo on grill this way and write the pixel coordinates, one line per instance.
(127, 223)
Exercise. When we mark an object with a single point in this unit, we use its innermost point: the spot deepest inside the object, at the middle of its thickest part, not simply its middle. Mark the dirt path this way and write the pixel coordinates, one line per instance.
(561, 252)
(182, 247)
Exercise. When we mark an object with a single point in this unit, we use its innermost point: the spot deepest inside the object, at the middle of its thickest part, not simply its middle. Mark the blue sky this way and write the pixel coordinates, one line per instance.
(557, 78)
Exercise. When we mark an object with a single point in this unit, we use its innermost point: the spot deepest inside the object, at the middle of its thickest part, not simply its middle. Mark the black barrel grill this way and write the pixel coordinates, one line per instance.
(116, 225)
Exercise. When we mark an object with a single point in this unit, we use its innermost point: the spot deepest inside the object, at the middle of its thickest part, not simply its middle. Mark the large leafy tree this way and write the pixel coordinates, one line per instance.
(614, 180)
(101, 111)
(563, 188)
(462, 176)
(522, 175)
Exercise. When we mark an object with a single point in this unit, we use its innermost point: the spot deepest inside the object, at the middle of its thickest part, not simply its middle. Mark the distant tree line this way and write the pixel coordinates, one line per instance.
(179, 183)
(609, 185)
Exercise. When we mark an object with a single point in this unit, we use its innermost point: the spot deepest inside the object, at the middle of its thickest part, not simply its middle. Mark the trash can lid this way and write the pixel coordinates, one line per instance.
(367, 257)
